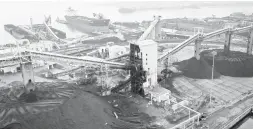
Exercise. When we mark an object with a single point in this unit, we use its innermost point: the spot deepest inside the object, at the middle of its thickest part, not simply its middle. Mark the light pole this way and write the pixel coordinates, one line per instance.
(214, 53)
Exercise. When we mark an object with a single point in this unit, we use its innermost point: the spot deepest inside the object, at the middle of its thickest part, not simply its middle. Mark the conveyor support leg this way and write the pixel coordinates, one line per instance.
(249, 45)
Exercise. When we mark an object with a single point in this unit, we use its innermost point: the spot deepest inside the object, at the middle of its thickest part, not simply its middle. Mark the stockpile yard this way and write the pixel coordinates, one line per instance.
(236, 64)
(232, 76)
(176, 73)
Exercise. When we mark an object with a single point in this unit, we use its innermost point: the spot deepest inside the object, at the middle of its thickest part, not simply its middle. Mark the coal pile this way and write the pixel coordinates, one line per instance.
(236, 64)
(198, 69)
(29, 97)
(86, 111)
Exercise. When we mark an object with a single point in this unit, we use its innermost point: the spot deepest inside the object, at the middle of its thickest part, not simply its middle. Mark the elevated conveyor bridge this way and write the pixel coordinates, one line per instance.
(200, 37)
(78, 60)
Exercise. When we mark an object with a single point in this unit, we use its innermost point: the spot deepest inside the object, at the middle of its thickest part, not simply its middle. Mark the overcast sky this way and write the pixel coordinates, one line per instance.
(124, 0)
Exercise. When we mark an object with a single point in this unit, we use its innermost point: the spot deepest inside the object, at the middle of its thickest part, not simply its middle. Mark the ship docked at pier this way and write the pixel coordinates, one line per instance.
(86, 24)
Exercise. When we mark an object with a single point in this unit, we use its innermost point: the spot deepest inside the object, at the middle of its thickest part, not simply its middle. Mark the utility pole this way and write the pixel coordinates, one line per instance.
(214, 53)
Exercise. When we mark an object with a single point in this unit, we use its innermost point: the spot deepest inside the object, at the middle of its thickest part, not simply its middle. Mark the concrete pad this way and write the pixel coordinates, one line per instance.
(231, 96)
(228, 83)
(215, 94)
(244, 90)
(236, 85)
(226, 98)
(217, 81)
(224, 93)
(177, 84)
(236, 93)
(246, 83)
(202, 81)
(230, 88)
(235, 79)
(246, 87)
(212, 82)
(224, 88)
(191, 87)
(249, 85)
(241, 90)
(208, 85)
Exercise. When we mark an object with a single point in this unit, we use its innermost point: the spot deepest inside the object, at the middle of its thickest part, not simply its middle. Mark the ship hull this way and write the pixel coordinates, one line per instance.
(17, 33)
(88, 25)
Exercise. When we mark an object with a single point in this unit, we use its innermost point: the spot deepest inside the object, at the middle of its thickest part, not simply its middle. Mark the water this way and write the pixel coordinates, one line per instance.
(246, 123)
(19, 13)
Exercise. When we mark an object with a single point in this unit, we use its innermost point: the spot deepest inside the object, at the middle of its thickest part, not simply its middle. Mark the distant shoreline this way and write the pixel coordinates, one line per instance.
(172, 4)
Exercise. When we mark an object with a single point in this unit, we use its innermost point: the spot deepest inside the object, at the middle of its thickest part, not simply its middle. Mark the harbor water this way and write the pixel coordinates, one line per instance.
(19, 13)
(248, 124)
(245, 123)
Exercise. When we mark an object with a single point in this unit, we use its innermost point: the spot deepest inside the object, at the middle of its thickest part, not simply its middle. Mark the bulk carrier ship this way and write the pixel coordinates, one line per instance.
(86, 24)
